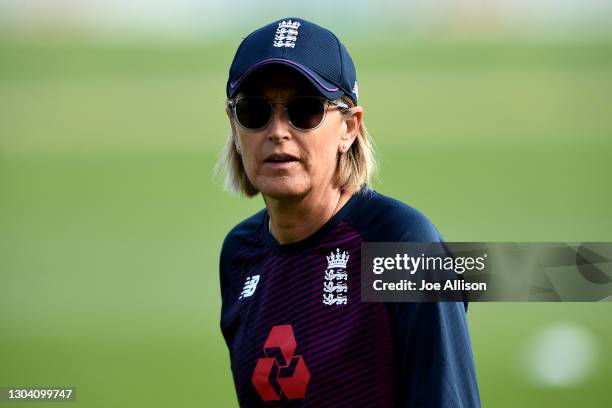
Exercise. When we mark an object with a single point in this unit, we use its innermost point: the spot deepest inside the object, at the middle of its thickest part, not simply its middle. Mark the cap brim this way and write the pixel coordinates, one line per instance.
(326, 88)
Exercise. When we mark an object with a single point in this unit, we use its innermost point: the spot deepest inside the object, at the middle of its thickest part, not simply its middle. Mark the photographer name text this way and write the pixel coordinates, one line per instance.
(448, 285)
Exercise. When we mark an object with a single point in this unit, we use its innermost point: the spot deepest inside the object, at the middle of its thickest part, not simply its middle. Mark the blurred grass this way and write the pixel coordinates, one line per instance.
(111, 221)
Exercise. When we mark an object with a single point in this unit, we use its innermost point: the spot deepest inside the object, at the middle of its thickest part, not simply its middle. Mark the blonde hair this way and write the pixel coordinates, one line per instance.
(354, 169)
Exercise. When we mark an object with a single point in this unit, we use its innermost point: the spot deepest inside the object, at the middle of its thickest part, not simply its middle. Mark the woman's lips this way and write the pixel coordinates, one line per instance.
(281, 160)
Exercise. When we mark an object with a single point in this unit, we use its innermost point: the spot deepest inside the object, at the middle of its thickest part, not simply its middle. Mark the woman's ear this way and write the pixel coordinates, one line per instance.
(353, 124)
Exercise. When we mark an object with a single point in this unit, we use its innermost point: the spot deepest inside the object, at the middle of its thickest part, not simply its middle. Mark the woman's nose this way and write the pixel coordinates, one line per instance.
(279, 128)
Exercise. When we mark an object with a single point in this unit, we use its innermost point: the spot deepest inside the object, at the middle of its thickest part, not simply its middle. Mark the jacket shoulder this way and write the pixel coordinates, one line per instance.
(241, 233)
(381, 218)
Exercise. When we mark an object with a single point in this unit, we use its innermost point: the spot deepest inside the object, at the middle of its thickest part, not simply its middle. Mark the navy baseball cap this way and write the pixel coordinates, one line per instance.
(312, 50)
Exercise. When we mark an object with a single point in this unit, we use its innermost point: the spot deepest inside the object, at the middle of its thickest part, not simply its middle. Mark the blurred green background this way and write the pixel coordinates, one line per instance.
(111, 219)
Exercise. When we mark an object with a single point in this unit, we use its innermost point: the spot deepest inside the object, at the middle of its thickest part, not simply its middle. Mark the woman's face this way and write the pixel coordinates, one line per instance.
(282, 161)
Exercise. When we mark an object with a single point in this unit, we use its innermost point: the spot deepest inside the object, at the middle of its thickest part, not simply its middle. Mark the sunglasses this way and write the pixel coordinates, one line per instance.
(303, 112)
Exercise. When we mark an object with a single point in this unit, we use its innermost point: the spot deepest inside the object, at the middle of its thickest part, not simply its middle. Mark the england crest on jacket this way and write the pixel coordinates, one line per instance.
(335, 286)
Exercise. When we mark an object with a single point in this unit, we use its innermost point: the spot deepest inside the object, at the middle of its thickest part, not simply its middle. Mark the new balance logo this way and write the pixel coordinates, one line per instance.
(249, 286)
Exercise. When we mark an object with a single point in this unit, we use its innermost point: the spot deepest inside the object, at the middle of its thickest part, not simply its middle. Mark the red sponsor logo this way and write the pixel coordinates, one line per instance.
(281, 371)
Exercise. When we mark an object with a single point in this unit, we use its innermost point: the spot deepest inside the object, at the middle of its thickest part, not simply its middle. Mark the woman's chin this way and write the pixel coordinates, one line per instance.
(283, 188)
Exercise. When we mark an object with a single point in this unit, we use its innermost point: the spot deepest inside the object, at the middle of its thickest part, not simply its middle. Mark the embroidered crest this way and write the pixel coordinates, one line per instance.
(286, 34)
(335, 287)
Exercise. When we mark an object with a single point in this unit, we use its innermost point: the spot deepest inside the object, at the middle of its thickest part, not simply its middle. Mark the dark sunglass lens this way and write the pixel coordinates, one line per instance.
(252, 113)
(306, 113)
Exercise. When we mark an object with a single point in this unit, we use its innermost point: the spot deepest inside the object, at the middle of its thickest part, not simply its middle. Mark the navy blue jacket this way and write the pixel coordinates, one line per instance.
(298, 334)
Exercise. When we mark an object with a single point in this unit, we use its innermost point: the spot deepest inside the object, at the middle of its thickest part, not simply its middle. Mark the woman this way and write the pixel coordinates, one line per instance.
(291, 312)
